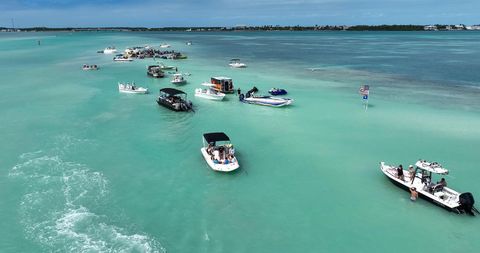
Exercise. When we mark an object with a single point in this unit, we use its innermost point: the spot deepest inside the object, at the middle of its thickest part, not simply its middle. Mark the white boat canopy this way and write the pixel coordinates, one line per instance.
(433, 167)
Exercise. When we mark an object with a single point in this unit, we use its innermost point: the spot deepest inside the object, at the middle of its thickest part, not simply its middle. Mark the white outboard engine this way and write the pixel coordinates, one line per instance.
(466, 202)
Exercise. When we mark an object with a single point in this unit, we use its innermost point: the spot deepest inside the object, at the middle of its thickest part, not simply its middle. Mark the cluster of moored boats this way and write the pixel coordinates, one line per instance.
(219, 152)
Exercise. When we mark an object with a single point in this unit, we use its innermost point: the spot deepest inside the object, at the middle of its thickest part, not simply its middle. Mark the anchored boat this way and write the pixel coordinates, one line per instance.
(221, 84)
(235, 63)
(110, 50)
(218, 152)
(89, 67)
(420, 179)
(250, 98)
(174, 99)
(276, 92)
(209, 94)
(131, 88)
(178, 79)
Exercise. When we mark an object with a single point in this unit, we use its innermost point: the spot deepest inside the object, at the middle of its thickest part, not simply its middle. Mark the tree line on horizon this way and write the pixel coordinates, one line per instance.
(236, 28)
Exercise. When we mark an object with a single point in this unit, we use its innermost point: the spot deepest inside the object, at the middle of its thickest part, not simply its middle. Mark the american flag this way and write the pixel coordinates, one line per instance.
(364, 90)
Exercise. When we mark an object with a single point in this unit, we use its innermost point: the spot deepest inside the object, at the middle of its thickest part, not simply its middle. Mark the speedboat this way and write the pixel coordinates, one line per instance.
(235, 63)
(178, 79)
(275, 92)
(421, 179)
(110, 50)
(218, 152)
(221, 84)
(164, 45)
(131, 88)
(165, 67)
(174, 99)
(89, 67)
(155, 71)
(209, 94)
(121, 57)
(189, 43)
(250, 98)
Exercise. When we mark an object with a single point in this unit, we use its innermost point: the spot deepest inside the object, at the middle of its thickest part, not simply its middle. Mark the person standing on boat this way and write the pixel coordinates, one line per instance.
(231, 151)
(400, 172)
(413, 194)
(411, 172)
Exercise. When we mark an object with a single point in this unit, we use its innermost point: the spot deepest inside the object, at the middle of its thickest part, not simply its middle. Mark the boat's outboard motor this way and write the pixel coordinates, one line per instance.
(250, 92)
(466, 202)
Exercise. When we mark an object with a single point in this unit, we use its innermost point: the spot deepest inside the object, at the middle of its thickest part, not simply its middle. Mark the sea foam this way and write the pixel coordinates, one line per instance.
(56, 209)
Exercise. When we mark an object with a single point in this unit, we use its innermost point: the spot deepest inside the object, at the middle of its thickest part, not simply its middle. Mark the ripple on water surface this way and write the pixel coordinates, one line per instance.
(56, 210)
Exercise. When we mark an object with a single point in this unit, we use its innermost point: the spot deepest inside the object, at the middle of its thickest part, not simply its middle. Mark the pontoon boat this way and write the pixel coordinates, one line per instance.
(174, 99)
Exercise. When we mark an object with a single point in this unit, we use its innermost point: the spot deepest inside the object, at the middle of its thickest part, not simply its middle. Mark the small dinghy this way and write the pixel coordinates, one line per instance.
(89, 67)
(209, 94)
(250, 98)
(131, 88)
(218, 152)
(178, 79)
(164, 45)
(420, 180)
(276, 92)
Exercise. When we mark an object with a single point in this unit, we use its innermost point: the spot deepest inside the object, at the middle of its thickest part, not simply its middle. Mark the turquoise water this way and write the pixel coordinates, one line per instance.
(86, 169)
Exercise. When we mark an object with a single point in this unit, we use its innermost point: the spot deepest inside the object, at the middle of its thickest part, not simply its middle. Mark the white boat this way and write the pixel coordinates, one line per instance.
(178, 79)
(131, 88)
(250, 98)
(122, 58)
(164, 45)
(235, 63)
(420, 178)
(110, 50)
(209, 94)
(89, 67)
(165, 67)
(218, 152)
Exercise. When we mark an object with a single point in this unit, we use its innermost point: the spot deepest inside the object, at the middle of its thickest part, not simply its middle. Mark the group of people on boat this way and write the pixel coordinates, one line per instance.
(425, 179)
(128, 86)
(222, 154)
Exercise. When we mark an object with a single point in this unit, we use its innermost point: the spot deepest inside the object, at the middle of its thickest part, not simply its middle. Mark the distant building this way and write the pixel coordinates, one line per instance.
(430, 28)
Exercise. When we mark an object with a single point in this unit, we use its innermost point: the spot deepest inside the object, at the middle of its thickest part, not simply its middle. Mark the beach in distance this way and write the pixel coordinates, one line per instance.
(86, 168)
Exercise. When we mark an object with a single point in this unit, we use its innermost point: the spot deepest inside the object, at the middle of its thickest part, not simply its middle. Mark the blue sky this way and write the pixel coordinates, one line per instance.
(158, 13)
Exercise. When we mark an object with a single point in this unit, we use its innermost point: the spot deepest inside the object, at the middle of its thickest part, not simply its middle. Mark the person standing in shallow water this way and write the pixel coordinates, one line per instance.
(413, 194)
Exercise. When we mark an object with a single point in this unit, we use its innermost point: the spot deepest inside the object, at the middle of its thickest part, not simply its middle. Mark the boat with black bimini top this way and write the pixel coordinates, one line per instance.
(218, 152)
(420, 180)
(174, 99)
(178, 79)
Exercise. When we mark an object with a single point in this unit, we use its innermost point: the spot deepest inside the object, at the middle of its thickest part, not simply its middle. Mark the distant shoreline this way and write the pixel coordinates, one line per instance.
(252, 28)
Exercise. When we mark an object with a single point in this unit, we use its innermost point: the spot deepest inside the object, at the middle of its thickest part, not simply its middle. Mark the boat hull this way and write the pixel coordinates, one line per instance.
(405, 186)
(267, 101)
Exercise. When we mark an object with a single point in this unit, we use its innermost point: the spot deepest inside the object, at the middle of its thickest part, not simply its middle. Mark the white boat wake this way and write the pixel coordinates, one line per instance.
(56, 210)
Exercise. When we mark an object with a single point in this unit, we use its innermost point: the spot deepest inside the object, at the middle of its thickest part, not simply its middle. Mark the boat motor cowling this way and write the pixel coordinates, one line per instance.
(466, 202)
